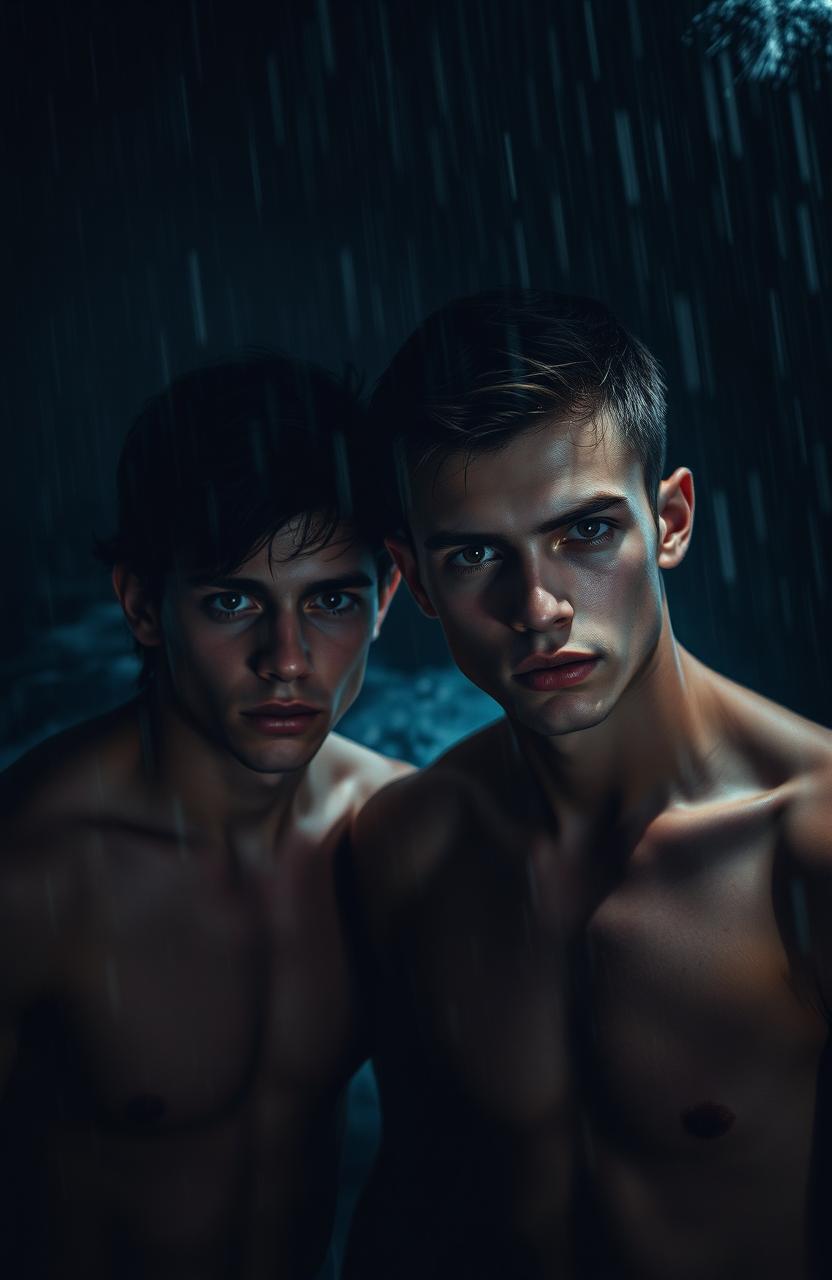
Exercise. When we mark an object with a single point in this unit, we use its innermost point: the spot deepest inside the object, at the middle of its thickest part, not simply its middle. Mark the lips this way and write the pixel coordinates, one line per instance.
(546, 661)
(272, 710)
(546, 672)
(275, 719)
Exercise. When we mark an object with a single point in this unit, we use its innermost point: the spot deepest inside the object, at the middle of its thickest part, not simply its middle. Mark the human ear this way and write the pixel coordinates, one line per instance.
(675, 506)
(140, 609)
(386, 590)
(405, 558)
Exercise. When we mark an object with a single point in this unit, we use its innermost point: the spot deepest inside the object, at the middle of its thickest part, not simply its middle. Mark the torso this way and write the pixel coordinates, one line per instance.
(185, 1074)
(706, 1053)
(617, 1047)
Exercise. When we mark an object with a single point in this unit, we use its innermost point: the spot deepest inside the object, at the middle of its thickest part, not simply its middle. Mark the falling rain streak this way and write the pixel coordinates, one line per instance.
(197, 303)
(316, 177)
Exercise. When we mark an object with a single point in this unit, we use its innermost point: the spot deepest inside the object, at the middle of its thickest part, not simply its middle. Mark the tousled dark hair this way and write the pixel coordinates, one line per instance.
(228, 455)
(482, 368)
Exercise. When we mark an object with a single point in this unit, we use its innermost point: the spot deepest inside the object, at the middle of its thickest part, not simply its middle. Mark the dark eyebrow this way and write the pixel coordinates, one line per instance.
(225, 583)
(338, 584)
(590, 508)
(257, 587)
(472, 537)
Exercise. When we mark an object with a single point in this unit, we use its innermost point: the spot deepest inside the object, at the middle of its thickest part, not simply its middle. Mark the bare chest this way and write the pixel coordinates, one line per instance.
(693, 1023)
(667, 1007)
(193, 991)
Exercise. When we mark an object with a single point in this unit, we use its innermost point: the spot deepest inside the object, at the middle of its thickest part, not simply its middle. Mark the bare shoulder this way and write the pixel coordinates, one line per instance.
(365, 771)
(807, 823)
(406, 831)
(428, 798)
(806, 843)
(793, 756)
(781, 745)
(77, 775)
(49, 800)
(486, 761)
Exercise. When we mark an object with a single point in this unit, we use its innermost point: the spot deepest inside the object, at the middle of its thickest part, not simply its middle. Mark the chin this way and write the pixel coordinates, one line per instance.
(278, 762)
(560, 716)
(277, 757)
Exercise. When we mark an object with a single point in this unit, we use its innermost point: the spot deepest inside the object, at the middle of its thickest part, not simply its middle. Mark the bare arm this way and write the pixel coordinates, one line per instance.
(37, 899)
(366, 873)
(808, 847)
(38, 902)
(397, 840)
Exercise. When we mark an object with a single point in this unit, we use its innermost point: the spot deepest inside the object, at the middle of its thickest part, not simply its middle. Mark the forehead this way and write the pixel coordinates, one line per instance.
(554, 466)
(293, 556)
(286, 559)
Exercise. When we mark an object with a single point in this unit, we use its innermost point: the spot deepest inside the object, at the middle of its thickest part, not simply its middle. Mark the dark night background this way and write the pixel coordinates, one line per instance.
(184, 178)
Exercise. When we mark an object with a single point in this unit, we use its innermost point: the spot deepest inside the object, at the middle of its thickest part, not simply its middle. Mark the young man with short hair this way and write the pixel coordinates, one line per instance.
(599, 929)
(178, 1019)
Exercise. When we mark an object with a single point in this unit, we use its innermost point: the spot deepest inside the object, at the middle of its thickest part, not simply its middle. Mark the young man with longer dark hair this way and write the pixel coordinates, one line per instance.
(598, 930)
(177, 1019)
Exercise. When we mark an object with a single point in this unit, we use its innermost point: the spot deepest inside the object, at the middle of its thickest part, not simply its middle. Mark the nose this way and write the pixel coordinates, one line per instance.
(537, 608)
(283, 654)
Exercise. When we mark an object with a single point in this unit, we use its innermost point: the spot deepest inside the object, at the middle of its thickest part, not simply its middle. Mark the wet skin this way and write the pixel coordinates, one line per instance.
(178, 1017)
(596, 930)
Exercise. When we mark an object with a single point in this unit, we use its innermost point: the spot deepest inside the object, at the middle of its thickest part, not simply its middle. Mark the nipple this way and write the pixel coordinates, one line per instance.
(707, 1120)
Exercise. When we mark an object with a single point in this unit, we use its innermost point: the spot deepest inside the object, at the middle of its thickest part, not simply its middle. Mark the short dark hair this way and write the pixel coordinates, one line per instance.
(228, 455)
(482, 368)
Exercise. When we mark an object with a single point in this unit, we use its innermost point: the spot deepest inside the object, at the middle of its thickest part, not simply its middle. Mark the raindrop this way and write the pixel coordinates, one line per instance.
(197, 303)
(725, 544)
(626, 155)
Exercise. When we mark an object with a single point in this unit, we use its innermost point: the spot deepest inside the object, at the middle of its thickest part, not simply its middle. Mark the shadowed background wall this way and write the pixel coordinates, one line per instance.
(184, 178)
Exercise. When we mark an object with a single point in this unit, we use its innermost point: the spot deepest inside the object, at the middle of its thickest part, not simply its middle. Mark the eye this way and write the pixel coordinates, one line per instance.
(472, 557)
(227, 605)
(591, 531)
(335, 602)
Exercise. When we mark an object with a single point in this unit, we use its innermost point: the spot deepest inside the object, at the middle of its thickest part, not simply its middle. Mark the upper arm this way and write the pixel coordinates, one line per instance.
(365, 865)
(378, 849)
(398, 840)
(38, 903)
(409, 829)
(808, 845)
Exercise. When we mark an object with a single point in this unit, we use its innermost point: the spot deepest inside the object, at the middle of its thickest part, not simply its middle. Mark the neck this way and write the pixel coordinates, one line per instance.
(654, 748)
(201, 788)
